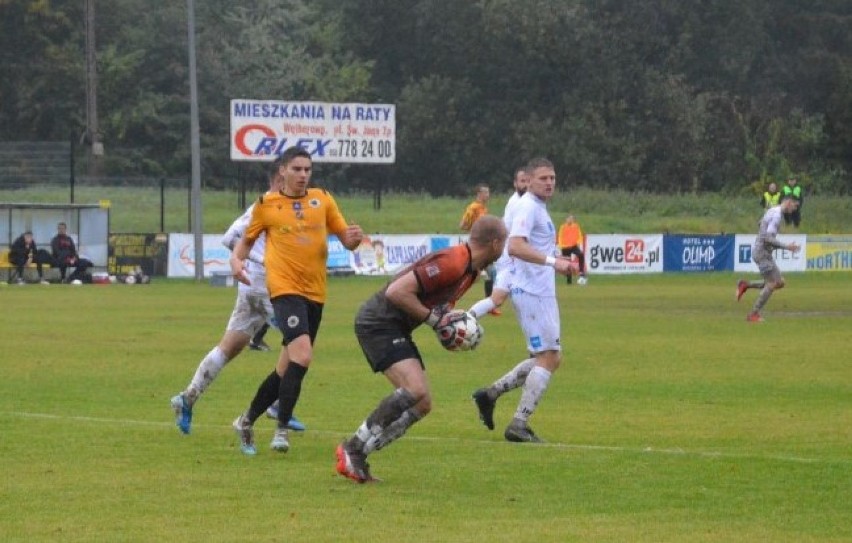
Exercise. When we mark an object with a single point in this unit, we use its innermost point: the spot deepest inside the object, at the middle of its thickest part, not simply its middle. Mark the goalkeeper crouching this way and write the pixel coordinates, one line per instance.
(421, 293)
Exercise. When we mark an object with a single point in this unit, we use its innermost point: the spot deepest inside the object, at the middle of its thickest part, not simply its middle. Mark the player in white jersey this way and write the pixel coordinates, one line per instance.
(252, 310)
(532, 245)
(503, 280)
(761, 254)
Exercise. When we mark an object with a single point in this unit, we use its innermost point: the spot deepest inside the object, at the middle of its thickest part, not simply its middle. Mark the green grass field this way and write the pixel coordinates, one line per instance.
(672, 419)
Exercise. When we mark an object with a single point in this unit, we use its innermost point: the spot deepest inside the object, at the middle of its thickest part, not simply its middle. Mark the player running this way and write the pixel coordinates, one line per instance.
(761, 254)
(252, 310)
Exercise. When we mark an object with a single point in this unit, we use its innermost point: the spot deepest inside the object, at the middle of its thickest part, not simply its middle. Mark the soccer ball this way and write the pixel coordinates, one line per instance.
(463, 333)
(130, 280)
(581, 280)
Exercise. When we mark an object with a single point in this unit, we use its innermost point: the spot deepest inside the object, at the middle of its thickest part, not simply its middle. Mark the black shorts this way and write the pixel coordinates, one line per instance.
(384, 348)
(296, 316)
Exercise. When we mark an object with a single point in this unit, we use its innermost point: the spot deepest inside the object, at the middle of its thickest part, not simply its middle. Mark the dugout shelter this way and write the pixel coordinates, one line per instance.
(88, 225)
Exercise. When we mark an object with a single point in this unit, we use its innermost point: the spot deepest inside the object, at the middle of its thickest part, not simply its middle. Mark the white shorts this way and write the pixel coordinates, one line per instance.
(251, 311)
(539, 319)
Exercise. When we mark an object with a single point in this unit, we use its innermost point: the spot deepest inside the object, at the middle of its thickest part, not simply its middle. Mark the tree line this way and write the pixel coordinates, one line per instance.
(657, 96)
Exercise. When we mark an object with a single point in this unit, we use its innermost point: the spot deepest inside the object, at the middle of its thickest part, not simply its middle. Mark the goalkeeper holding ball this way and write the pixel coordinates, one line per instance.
(422, 292)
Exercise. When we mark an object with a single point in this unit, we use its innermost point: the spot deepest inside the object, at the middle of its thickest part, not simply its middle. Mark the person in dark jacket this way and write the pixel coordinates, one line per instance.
(65, 255)
(24, 252)
(793, 191)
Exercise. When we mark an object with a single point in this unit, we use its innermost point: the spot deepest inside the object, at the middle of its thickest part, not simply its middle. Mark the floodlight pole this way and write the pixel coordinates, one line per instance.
(195, 148)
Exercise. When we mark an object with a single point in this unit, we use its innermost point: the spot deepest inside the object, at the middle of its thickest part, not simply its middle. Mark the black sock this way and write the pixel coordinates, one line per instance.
(266, 395)
(288, 392)
(258, 337)
(489, 287)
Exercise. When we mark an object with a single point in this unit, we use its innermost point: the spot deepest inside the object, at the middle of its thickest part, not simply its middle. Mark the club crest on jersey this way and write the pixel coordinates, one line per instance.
(292, 321)
(313, 202)
(432, 270)
(297, 207)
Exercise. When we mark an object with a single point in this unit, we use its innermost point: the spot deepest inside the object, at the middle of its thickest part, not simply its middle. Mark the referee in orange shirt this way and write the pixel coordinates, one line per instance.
(572, 241)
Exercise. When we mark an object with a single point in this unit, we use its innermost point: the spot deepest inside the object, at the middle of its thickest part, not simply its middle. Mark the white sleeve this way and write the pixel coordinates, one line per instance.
(521, 223)
(237, 229)
(774, 224)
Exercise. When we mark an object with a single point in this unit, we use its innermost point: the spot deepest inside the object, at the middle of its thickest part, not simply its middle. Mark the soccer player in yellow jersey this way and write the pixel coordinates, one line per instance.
(476, 209)
(297, 221)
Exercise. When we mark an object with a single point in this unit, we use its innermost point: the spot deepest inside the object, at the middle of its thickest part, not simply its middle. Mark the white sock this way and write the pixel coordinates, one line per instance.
(207, 371)
(363, 432)
(534, 388)
(482, 307)
(516, 377)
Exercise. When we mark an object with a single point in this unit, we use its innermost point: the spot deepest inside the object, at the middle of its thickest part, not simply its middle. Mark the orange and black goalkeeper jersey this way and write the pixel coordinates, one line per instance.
(444, 276)
(296, 240)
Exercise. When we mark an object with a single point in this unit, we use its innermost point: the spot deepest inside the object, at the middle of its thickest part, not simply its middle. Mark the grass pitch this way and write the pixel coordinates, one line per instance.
(671, 419)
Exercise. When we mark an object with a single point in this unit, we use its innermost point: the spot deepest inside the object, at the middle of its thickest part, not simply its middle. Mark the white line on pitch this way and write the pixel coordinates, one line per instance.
(566, 446)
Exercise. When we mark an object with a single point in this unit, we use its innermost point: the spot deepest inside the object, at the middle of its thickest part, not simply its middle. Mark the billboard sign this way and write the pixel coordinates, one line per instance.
(787, 261)
(332, 132)
(624, 253)
(698, 253)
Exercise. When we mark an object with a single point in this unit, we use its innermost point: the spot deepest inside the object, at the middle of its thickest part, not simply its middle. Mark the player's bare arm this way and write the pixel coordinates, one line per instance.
(352, 237)
(402, 292)
(793, 247)
(238, 260)
(520, 248)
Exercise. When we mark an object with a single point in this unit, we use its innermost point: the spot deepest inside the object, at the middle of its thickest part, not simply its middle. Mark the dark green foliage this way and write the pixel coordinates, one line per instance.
(659, 96)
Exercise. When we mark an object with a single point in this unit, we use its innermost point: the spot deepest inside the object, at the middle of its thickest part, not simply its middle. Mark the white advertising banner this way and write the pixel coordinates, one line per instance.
(786, 260)
(624, 253)
(332, 132)
(181, 261)
(387, 254)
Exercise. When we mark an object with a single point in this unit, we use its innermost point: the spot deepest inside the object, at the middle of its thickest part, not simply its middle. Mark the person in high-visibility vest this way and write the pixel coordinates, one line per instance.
(771, 197)
(793, 191)
(571, 241)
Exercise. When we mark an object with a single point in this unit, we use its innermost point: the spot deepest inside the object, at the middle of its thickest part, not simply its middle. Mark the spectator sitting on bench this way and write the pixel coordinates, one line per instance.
(65, 255)
(24, 252)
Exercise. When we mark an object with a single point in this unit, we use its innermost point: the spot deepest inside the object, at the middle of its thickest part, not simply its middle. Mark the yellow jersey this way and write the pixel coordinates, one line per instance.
(297, 231)
(475, 210)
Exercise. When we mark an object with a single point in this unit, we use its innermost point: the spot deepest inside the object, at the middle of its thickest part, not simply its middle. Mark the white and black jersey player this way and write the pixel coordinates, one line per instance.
(761, 254)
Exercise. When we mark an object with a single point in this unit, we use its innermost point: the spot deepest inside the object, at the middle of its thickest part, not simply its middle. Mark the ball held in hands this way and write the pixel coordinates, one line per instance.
(459, 331)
